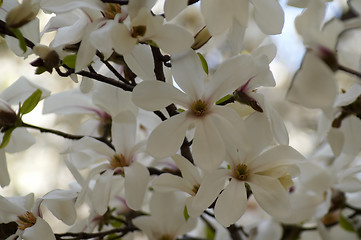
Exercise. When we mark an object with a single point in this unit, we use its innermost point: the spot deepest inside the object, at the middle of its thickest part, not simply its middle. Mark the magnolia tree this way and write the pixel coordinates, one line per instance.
(177, 145)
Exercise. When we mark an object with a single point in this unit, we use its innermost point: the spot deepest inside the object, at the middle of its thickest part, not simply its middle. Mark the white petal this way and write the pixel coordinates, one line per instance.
(141, 62)
(173, 7)
(189, 74)
(167, 138)
(101, 192)
(101, 38)
(314, 85)
(270, 195)
(209, 190)
(155, 95)
(86, 50)
(41, 230)
(231, 203)
(231, 74)
(188, 170)
(61, 204)
(4, 174)
(54, 6)
(173, 39)
(167, 182)
(20, 140)
(136, 183)
(208, 146)
(127, 42)
(269, 16)
(124, 127)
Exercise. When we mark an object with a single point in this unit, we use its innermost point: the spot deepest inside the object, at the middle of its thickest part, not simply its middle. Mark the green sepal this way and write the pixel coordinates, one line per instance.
(31, 102)
(6, 138)
(345, 223)
(70, 61)
(210, 233)
(20, 37)
(204, 62)
(40, 70)
(185, 213)
(223, 99)
(180, 110)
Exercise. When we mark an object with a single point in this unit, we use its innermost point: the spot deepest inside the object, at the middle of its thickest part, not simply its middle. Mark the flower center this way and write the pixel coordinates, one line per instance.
(26, 220)
(199, 107)
(111, 10)
(138, 31)
(286, 181)
(166, 237)
(195, 189)
(118, 160)
(241, 172)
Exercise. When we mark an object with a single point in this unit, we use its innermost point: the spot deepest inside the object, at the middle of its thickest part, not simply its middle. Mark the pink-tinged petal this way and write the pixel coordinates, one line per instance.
(217, 15)
(170, 183)
(269, 16)
(231, 203)
(4, 174)
(314, 85)
(231, 74)
(124, 127)
(167, 138)
(123, 42)
(188, 72)
(270, 195)
(141, 62)
(188, 170)
(209, 190)
(101, 192)
(173, 39)
(61, 204)
(136, 183)
(155, 95)
(173, 7)
(276, 156)
(20, 140)
(41, 230)
(208, 145)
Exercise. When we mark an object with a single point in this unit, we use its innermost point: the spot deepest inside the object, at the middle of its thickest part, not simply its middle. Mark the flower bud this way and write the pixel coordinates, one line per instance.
(201, 38)
(22, 14)
(48, 58)
(8, 117)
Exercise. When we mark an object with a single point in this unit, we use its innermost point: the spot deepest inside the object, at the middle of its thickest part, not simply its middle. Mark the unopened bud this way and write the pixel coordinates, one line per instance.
(328, 57)
(8, 117)
(48, 58)
(22, 14)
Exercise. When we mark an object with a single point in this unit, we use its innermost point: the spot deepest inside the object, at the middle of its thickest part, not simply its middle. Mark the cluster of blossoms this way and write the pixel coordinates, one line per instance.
(171, 143)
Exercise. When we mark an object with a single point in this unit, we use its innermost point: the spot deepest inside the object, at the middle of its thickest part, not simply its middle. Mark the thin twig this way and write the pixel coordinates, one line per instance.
(349, 70)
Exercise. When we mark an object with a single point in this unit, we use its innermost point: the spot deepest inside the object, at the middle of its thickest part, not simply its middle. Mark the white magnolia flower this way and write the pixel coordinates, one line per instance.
(212, 123)
(268, 176)
(28, 216)
(118, 161)
(166, 220)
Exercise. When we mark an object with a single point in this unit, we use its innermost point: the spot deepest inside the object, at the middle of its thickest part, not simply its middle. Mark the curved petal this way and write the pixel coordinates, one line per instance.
(101, 192)
(173, 39)
(127, 42)
(141, 62)
(41, 230)
(124, 127)
(86, 50)
(314, 85)
(188, 170)
(170, 183)
(269, 16)
(20, 140)
(173, 7)
(217, 15)
(166, 139)
(189, 74)
(208, 146)
(270, 195)
(231, 203)
(155, 95)
(136, 183)
(209, 190)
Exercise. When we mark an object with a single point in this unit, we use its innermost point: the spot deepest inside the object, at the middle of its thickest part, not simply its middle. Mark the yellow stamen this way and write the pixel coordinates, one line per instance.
(241, 172)
(26, 220)
(138, 31)
(199, 107)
